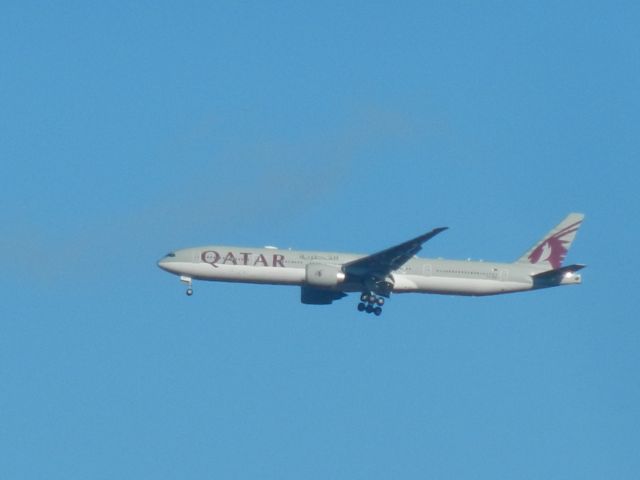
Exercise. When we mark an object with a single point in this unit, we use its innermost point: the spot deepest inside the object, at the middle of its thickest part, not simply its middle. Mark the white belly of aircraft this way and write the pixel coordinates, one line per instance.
(296, 276)
(454, 286)
(243, 273)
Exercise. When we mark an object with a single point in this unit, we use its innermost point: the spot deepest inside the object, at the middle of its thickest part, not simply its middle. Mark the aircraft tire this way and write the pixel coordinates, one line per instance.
(377, 311)
(189, 292)
(361, 307)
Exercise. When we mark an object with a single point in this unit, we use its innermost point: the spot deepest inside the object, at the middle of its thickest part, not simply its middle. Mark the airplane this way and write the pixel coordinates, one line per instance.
(327, 276)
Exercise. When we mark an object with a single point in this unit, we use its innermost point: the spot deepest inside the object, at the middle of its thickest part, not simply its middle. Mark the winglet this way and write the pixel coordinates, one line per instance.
(426, 236)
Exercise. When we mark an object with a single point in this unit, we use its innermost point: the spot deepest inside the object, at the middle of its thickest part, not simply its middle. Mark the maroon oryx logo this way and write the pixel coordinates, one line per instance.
(553, 249)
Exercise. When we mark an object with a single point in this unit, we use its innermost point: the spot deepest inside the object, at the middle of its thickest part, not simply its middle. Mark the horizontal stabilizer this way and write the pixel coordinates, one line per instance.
(558, 272)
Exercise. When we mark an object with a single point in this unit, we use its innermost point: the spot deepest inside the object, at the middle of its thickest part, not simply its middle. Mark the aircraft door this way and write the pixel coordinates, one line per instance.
(503, 275)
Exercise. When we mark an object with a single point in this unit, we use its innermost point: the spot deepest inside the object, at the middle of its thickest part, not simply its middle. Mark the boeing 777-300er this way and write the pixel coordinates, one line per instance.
(327, 276)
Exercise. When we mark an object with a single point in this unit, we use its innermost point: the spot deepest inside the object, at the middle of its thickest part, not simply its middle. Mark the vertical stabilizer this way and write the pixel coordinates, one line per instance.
(552, 249)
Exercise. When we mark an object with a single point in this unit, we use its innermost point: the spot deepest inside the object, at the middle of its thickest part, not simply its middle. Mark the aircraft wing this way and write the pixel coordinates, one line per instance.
(384, 262)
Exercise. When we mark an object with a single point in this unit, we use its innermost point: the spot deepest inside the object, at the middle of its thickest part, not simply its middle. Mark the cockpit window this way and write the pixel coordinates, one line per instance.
(171, 254)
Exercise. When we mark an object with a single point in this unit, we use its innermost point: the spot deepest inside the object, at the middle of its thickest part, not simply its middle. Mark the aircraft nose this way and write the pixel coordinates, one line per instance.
(162, 263)
(165, 262)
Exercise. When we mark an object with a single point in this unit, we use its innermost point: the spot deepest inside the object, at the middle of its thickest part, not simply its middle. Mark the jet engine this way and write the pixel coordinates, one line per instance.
(324, 276)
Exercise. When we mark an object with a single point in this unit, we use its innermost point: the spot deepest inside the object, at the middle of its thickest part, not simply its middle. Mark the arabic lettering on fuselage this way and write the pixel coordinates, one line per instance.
(325, 258)
(215, 258)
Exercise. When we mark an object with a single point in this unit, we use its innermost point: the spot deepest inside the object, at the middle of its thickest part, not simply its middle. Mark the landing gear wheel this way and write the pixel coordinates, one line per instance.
(371, 303)
(189, 292)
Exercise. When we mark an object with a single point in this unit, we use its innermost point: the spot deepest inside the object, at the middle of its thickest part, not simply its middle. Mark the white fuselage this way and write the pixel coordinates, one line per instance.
(289, 267)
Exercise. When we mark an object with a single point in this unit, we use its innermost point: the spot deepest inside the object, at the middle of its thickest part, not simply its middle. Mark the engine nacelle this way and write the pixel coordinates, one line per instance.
(324, 276)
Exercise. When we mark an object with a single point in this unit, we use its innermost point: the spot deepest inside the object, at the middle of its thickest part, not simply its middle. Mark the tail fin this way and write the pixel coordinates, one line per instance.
(551, 250)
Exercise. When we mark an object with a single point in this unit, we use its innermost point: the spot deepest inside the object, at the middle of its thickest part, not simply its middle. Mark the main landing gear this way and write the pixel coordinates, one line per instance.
(371, 303)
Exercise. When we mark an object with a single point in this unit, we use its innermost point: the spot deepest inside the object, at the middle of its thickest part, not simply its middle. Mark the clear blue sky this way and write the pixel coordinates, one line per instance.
(130, 129)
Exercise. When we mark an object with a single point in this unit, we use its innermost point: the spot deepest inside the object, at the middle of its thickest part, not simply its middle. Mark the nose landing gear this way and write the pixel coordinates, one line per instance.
(371, 303)
(187, 282)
